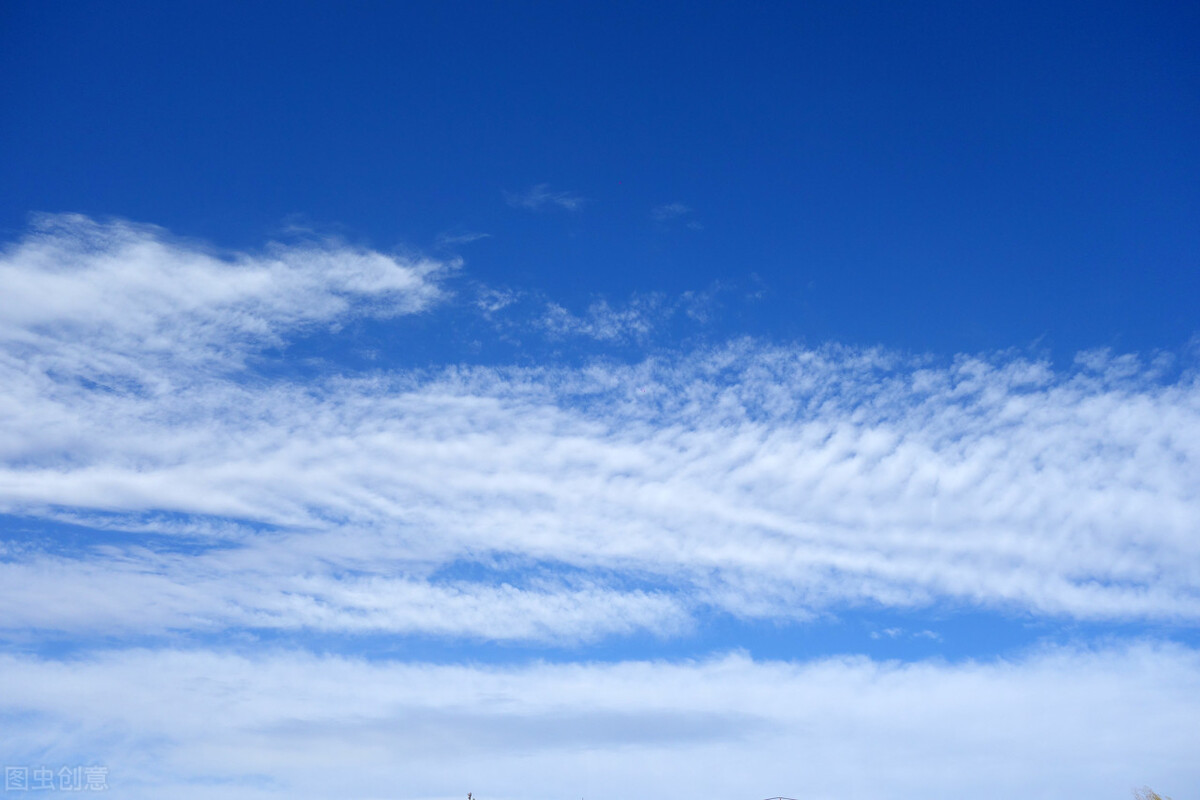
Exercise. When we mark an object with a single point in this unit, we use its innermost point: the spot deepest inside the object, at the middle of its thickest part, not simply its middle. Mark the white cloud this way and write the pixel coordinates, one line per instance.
(607, 324)
(489, 300)
(761, 481)
(541, 196)
(455, 239)
(281, 724)
(699, 305)
(271, 586)
(102, 299)
(675, 212)
(641, 318)
(669, 211)
(561, 505)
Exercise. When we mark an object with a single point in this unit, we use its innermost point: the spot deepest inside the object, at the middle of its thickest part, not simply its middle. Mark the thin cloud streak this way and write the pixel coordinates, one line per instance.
(542, 196)
(669, 211)
(269, 588)
(454, 239)
(675, 212)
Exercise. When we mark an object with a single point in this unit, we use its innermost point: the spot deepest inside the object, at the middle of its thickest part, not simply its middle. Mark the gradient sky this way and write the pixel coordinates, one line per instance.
(603, 400)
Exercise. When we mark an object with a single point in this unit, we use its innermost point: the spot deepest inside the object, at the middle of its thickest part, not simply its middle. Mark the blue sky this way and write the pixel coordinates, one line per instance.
(544, 400)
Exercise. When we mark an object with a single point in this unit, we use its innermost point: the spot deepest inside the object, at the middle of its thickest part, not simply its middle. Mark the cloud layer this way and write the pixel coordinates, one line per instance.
(162, 485)
(1051, 724)
(757, 480)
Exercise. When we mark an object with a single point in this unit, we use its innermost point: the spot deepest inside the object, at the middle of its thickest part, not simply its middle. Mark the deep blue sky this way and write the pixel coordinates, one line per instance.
(936, 177)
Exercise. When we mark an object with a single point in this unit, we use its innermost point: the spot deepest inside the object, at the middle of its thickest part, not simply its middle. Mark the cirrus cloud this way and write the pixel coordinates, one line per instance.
(758, 480)
(89, 297)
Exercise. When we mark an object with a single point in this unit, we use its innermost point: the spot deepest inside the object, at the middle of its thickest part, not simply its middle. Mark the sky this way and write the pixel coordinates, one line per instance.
(602, 400)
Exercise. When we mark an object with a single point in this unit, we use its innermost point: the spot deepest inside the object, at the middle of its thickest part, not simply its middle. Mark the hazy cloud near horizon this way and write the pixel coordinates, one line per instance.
(278, 724)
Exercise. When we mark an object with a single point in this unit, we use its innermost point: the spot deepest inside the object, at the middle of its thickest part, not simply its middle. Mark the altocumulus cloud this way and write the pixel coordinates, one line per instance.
(763, 481)
(560, 505)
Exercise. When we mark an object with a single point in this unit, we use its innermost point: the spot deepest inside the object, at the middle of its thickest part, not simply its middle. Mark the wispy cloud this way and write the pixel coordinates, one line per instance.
(542, 196)
(559, 505)
(842, 477)
(455, 239)
(303, 726)
(603, 322)
(635, 320)
(490, 299)
(675, 212)
(112, 299)
(763, 481)
(895, 633)
(669, 211)
(264, 586)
